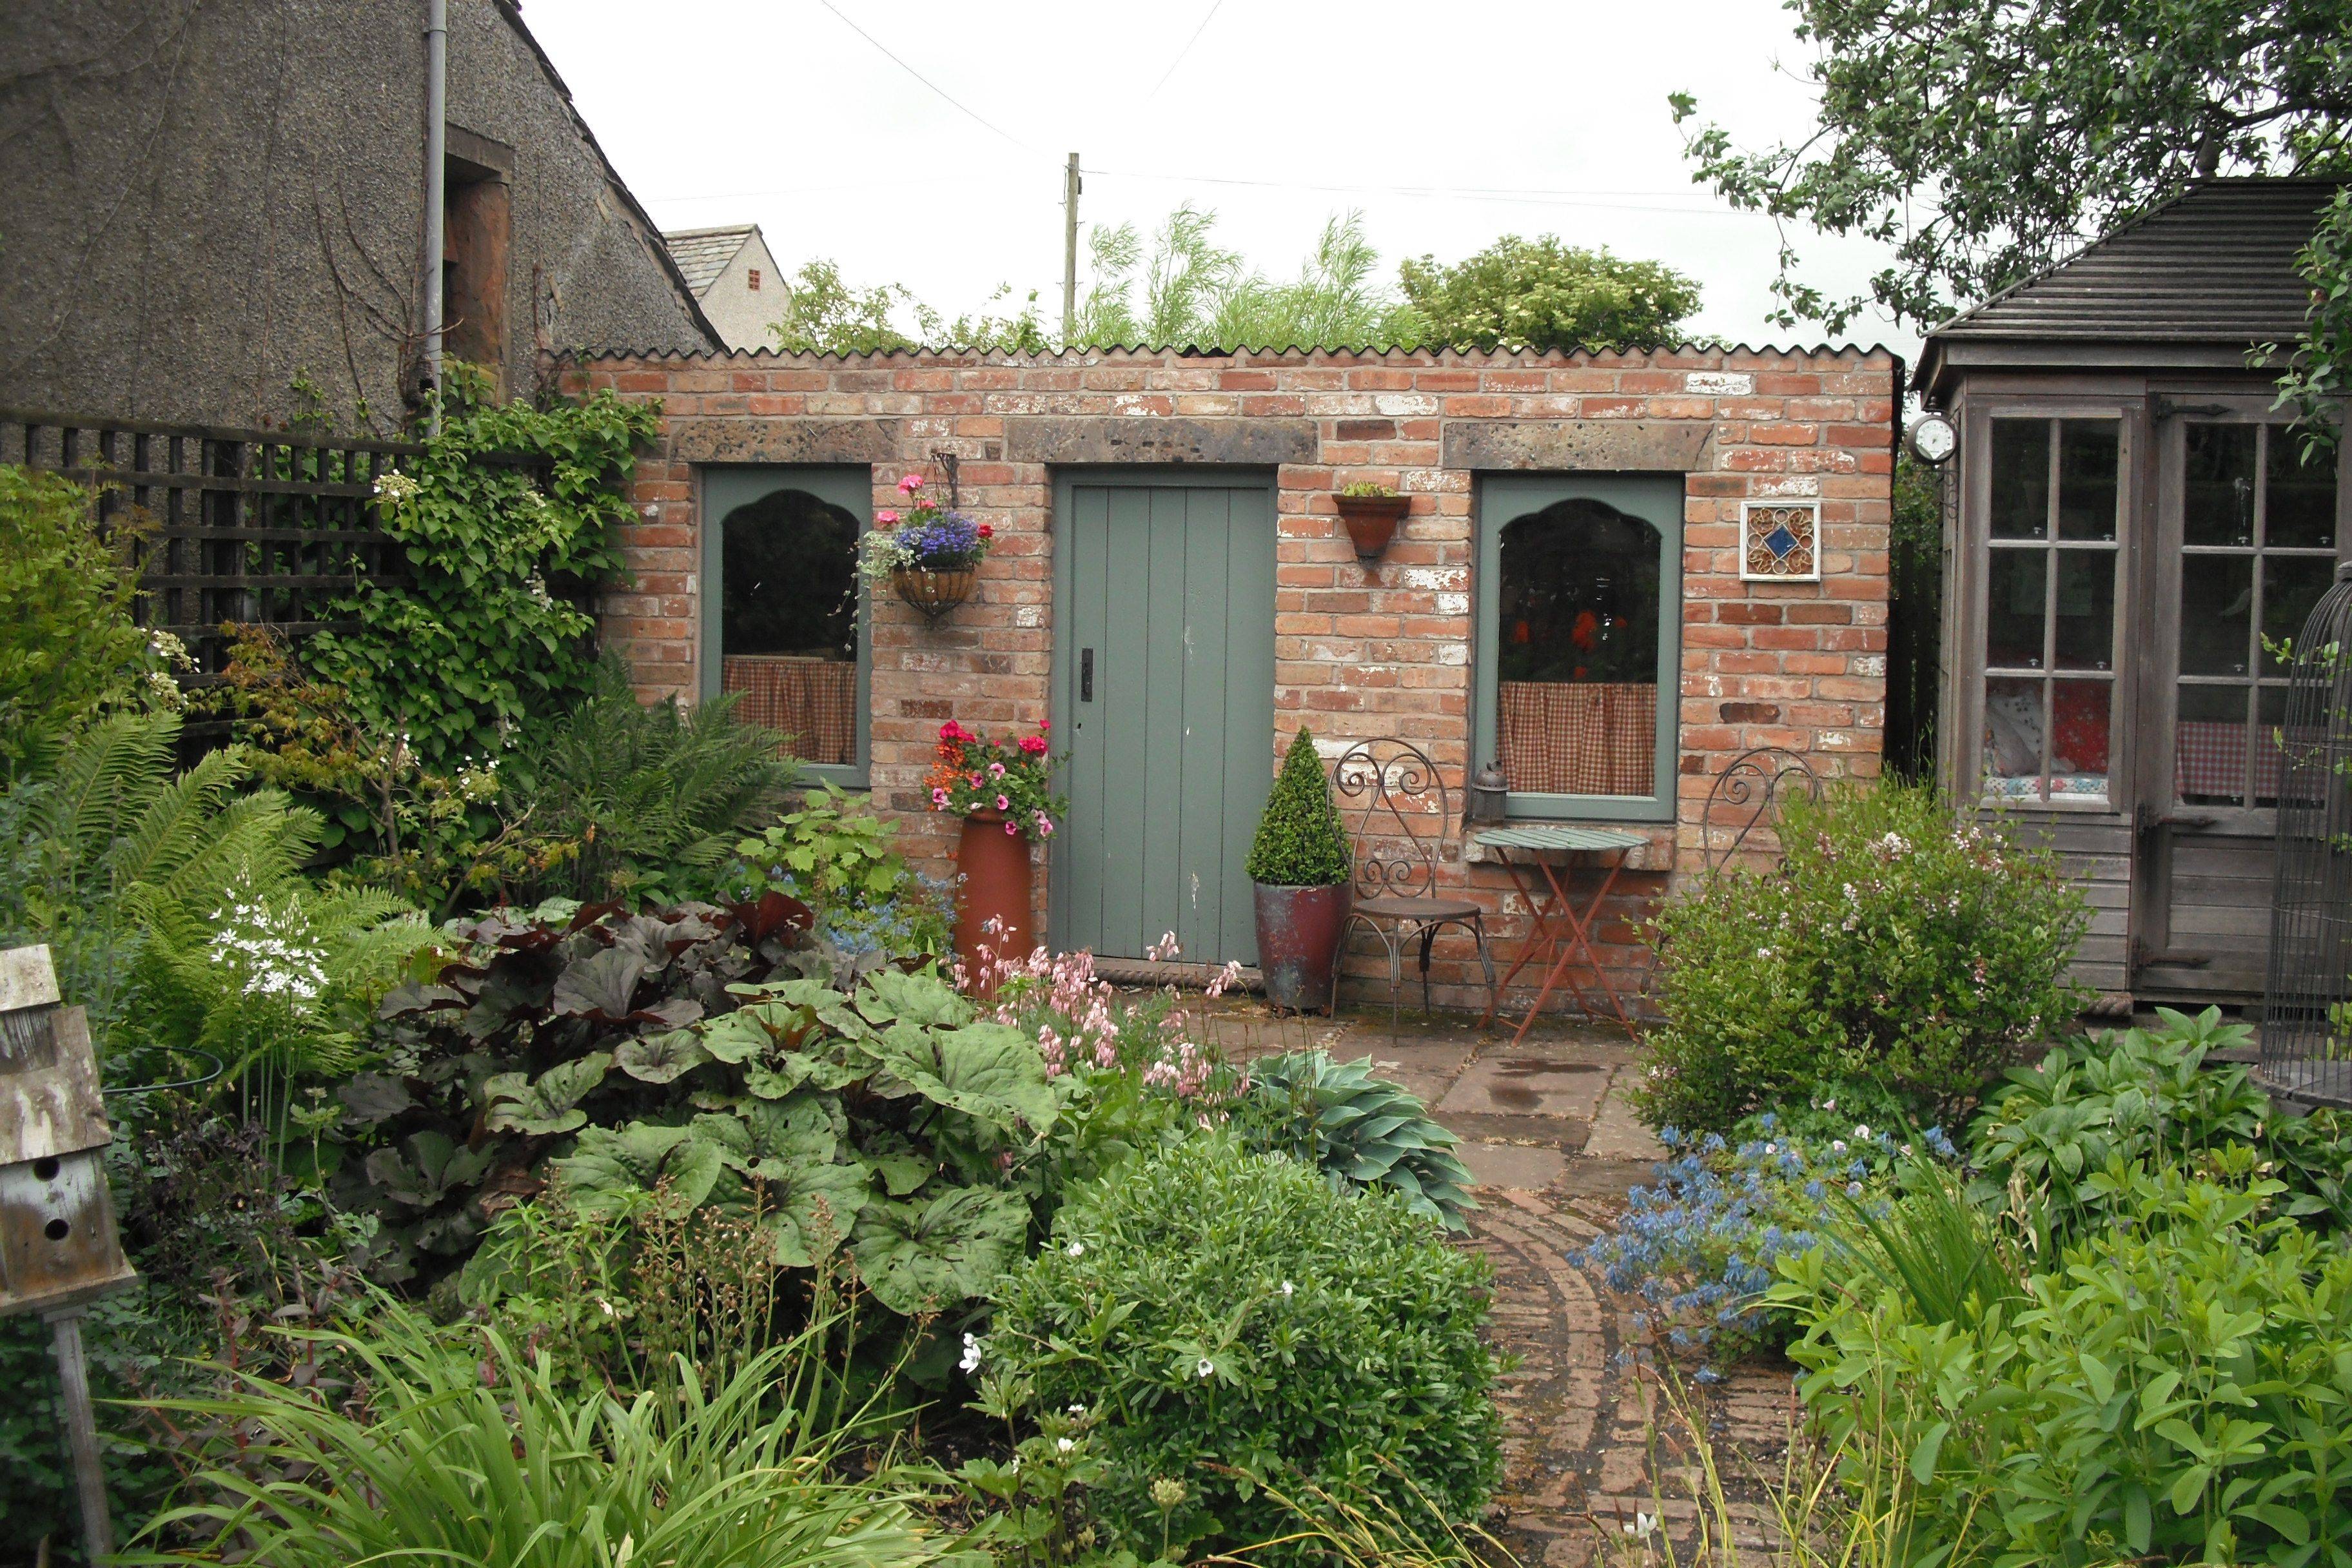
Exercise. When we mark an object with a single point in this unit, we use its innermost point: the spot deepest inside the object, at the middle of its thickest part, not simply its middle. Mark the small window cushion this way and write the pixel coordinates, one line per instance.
(2078, 785)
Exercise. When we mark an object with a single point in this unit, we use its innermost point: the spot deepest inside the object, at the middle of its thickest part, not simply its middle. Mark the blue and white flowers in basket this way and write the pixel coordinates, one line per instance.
(928, 538)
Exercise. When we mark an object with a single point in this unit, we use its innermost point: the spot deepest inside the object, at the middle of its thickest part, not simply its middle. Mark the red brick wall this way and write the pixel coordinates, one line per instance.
(1360, 651)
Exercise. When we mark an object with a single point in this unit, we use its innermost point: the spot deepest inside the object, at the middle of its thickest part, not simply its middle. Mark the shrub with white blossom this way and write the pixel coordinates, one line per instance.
(1896, 944)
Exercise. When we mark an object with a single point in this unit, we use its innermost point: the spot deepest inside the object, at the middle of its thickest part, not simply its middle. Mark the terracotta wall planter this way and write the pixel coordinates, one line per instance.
(1371, 521)
(1298, 941)
(998, 880)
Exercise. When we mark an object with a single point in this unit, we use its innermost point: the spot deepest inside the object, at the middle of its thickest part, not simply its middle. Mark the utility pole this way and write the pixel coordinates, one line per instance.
(1071, 186)
(437, 141)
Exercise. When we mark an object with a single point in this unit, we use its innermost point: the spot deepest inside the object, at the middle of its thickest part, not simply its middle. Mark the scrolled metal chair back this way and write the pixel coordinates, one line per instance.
(1745, 796)
(1401, 809)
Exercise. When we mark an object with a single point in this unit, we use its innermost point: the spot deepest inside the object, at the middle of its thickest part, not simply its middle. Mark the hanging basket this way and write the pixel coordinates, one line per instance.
(934, 593)
(1371, 521)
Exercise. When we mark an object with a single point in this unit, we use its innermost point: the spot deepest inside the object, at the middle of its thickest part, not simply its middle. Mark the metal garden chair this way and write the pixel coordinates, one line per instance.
(1403, 812)
(1747, 795)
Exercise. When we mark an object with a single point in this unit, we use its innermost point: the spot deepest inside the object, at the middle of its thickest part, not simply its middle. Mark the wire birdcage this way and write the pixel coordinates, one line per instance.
(2306, 1050)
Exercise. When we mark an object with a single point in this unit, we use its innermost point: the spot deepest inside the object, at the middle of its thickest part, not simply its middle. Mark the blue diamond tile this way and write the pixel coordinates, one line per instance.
(1779, 541)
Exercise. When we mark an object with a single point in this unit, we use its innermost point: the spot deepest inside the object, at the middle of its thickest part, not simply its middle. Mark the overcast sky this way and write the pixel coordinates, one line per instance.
(1447, 122)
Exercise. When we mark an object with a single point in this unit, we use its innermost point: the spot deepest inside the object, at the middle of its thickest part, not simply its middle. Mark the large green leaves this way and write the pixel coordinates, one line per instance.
(609, 1162)
(932, 1257)
(990, 1072)
(548, 1103)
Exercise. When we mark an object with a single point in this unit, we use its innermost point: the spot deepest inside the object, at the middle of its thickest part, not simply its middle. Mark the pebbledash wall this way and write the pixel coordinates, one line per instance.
(1360, 651)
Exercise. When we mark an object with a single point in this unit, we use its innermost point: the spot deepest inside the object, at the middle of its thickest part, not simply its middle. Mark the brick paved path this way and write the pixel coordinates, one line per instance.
(1546, 1129)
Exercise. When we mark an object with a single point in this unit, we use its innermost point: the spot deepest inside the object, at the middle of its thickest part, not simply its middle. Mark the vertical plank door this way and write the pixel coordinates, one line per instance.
(1164, 699)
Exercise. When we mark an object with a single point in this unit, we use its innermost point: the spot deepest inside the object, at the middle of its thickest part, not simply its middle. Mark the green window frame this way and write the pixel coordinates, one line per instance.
(1657, 500)
(726, 489)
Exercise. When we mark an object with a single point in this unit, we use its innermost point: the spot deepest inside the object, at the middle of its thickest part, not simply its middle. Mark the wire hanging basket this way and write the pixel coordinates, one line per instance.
(2306, 1041)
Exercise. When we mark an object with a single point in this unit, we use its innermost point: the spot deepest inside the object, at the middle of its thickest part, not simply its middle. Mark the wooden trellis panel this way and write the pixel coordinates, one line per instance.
(251, 526)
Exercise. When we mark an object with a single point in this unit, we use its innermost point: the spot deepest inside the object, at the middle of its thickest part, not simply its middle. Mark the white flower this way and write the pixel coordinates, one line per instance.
(1064, 1444)
(1079, 1410)
(1837, 1146)
(1287, 1287)
(1861, 1130)
(606, 1305)
(1076, 1249)
(1645, 1525)
(1853, 1189)
(1771, 1148)
(1206, 1368)
(970, 1361)
(1829, 1105)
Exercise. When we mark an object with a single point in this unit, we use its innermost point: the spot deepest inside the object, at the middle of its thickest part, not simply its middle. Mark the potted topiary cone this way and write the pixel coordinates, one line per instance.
(1300, 864)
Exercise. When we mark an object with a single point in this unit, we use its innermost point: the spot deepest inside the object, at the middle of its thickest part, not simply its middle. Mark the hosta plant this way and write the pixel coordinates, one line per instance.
(1358, 1129)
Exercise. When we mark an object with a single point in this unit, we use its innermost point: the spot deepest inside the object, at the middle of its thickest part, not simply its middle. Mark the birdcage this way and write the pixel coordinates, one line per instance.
(2306, 1051)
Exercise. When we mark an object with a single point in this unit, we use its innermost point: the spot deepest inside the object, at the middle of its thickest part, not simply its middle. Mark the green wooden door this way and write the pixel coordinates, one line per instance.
(1163, 666)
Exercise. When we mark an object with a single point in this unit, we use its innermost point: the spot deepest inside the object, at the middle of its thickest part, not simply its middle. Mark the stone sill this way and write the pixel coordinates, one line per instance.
(1656, 853)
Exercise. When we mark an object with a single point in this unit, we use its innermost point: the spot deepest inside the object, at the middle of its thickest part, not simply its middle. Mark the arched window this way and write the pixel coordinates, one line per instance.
(781, 569)
(1580, 616)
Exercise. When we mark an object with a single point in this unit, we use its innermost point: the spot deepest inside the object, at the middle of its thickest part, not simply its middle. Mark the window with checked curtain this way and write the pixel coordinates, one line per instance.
(788, 625)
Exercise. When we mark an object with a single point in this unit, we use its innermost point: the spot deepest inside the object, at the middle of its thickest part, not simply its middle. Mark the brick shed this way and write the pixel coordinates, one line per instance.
(1171, 587)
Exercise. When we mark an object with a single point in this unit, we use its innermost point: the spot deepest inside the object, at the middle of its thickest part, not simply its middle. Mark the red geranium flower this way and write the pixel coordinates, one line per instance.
(985, 532)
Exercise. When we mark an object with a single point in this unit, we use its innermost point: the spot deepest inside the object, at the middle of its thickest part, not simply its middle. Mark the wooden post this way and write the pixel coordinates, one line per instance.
(82, 1431)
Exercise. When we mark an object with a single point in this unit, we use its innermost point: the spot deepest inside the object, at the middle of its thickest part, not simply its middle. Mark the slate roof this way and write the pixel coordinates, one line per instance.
(702, 254)
(2212, 266)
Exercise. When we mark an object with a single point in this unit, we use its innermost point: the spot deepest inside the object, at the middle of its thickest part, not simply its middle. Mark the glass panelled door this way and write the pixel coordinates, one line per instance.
(2250, 533)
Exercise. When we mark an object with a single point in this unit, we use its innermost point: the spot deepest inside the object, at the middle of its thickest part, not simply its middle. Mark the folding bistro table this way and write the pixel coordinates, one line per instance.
(1559, 934)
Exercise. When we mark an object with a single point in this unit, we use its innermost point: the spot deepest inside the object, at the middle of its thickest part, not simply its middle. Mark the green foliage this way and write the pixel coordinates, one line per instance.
(1894, 945)
(1195, 294)
(1540, 294)
(511, 508)
(1235, 1322)
(2049, 1144)
(845, 865)
(1300, 842)
(470, 1450)
(1983, 142)
(630, 1053)
(2176, 1388)
(642, 801)
(2318, 371)
(823, 314)
(67, 647)
(1360, 1129)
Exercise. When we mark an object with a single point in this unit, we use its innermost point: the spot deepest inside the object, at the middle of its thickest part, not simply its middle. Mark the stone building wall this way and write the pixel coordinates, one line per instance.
(1361, 650)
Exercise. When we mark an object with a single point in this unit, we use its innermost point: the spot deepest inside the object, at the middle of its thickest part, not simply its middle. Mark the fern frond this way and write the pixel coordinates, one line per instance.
(105, 779)
(176, 823)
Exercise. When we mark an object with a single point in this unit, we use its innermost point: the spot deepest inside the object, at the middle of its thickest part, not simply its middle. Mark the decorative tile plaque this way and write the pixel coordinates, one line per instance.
(1781, 542)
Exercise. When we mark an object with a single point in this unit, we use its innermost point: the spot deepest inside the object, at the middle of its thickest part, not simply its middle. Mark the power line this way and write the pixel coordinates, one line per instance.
(920, 77)
(1520, 196)
(1208, 18)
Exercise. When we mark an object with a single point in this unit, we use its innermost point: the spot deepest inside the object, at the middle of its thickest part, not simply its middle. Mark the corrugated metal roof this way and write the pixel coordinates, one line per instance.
(2212, 266)
(702, 254)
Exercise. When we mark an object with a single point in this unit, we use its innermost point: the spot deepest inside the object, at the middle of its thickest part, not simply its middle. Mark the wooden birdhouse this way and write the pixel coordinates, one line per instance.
(58, 1243)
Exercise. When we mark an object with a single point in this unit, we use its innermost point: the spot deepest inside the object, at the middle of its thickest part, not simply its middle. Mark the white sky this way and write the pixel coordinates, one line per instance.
(1447, 122)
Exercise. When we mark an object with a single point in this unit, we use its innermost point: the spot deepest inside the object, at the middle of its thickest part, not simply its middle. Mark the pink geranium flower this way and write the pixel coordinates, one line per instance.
(886, 518)
(910, 484)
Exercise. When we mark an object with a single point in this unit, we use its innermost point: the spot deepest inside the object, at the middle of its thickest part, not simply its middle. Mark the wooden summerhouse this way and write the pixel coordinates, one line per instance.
(2133, 525)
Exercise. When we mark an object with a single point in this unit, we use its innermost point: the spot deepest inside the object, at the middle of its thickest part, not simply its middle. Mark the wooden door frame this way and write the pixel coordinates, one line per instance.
(2171, 404)
(1061, 698)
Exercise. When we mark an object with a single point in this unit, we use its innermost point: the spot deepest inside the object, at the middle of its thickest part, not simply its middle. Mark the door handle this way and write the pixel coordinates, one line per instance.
(1085, 675)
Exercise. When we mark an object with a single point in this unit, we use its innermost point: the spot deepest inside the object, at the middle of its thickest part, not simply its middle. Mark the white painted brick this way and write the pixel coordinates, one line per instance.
(1453, 652)
(1437, 578)
(1405, 404)
(1452, 604)
(1029, 616)
(1719, 383)
(1869, 664)
(1790, 485)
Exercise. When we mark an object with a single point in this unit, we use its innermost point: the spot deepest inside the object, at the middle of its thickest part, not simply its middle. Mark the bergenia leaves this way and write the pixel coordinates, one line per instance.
(660, 1059)
(549, 1104)
(929, 1257)
(601, 986)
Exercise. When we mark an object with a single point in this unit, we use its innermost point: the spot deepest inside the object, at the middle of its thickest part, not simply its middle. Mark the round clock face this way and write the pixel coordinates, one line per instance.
(1933, 438)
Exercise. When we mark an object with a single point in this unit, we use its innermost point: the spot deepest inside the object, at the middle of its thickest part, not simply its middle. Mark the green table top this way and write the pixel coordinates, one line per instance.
(1538, 836)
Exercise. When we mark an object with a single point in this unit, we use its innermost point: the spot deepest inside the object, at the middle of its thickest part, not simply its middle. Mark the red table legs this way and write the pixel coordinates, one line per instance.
(1564, 948)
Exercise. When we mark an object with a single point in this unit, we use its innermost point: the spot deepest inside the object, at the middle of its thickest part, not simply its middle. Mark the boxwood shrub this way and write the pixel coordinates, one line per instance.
(1233, 1320)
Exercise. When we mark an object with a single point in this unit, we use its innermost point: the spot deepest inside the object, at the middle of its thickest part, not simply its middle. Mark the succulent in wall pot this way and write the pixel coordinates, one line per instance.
(1371, 512)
